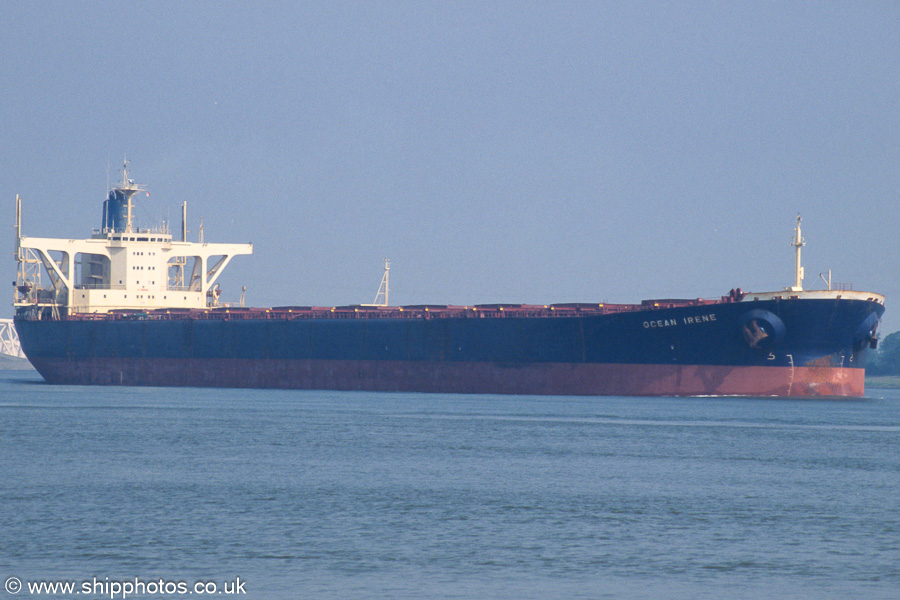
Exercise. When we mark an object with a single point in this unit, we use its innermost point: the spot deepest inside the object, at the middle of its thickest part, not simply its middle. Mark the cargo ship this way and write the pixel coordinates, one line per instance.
(133, 306)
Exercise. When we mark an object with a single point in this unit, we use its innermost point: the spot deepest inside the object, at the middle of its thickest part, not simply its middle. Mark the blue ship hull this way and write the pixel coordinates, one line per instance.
(779, 346)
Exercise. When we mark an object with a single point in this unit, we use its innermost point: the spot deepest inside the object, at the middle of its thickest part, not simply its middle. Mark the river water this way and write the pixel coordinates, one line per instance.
(343, 495)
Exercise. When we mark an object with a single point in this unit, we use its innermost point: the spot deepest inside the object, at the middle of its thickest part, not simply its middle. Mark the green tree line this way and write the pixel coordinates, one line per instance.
(886, 359)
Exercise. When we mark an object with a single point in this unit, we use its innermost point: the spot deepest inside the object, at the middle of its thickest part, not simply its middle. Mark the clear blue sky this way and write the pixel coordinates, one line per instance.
(495, 151)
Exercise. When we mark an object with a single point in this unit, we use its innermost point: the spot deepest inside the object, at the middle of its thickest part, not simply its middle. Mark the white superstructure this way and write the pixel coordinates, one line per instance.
(120, 266)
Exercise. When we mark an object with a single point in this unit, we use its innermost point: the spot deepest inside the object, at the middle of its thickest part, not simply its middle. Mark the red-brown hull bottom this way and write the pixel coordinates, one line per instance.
(461, 377)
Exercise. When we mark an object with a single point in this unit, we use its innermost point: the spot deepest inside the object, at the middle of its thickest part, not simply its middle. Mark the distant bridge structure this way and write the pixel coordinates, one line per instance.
(9, 339)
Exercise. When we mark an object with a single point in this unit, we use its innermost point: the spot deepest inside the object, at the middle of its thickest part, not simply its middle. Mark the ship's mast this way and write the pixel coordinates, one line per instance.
(798, 243)
(118, 210)
(28, 269)
(184, 221)
(384, 288)
(178, 263)
(20, 265)
(125, 186)
(18, 227)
